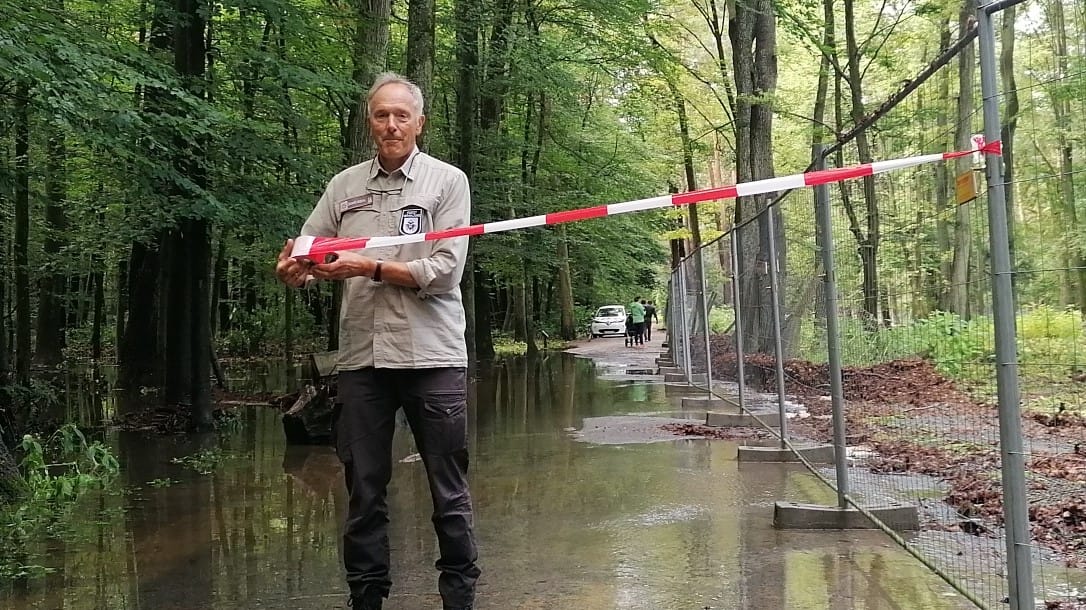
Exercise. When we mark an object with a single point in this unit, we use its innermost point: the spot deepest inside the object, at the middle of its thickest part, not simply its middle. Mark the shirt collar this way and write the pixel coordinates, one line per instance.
(407, 169)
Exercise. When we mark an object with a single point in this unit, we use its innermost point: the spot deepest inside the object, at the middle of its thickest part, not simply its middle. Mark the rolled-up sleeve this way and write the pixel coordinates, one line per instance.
(440, 272)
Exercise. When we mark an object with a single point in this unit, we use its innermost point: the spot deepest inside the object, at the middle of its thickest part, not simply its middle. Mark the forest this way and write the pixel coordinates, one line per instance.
(155, 154)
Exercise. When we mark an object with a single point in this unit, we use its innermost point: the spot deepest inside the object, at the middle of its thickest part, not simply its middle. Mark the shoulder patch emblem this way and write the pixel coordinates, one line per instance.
(411, 221)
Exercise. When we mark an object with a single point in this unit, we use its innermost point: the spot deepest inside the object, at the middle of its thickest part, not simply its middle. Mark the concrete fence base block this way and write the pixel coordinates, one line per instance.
(795, 516)
(699, 379)
(674, 377)
(816, 454)
(671, 370)
(735, 419)
(707, 403)
(681, 389)
(636, 371)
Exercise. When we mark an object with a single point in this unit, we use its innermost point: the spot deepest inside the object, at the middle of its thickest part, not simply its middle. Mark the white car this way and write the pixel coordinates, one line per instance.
(609, 320)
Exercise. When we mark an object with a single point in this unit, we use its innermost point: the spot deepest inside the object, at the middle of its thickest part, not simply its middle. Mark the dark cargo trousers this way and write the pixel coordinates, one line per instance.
(435, 402)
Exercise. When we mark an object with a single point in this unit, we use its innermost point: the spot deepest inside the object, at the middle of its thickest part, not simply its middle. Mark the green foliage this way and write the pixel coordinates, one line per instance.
(32, 399)
(77, 466)
(720, 319)
(952, 344)
(1046, 322)
(506, 346)
(59, 472)
(202, 462)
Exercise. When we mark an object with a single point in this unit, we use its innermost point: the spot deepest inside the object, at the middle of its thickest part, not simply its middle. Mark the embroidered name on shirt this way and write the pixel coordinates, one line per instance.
(354, 203)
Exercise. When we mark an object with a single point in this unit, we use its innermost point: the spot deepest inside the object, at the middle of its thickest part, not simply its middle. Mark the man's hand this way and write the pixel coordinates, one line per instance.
(290, 271)
(345, 265)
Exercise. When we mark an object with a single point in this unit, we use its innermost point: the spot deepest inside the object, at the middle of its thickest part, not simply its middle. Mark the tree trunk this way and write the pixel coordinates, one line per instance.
(695, 281)
(963, 245)
(528, 310)
(179, 304)
(869, 245)
(52, 286)
(199, 239)
(98, 320)
(753, 32)
(942, 184)
(22, 233)
(1010, 120)
(420, 48)
(519, 310)
(220, 308)
(370, 53)
(484, 339)
(122, 303)
(567, 328)
(473, 286)
(1062, 115)
(190, 56)
(138, 351)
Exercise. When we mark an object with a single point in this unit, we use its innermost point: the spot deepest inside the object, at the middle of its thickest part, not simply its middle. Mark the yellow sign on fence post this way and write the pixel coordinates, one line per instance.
(965, 187)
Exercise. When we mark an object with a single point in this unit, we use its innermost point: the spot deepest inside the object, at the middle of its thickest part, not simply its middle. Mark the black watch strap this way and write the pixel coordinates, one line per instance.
(377, 271)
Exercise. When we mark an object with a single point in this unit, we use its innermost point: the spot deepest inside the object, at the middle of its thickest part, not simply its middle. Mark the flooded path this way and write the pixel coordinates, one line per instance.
(561, 523)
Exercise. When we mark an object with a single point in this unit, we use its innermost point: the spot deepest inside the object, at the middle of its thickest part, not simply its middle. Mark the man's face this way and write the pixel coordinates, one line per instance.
(394, 121)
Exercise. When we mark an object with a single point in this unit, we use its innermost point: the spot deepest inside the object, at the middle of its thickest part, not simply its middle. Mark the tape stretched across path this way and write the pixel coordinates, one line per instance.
(316, 248)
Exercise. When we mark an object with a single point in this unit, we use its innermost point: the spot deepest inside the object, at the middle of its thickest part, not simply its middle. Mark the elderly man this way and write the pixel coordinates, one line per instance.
(401, 341)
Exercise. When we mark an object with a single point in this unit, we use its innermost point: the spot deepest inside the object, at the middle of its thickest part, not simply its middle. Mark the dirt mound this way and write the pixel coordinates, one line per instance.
(906, 381)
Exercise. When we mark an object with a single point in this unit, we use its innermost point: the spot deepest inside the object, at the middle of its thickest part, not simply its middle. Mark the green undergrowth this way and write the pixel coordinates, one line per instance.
(1051, 351)
(506, 346)
(60, 471)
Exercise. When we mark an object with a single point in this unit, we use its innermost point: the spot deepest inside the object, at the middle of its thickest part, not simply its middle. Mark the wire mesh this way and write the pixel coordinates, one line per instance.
(689, 276)
(916, 319)
(1045, 179)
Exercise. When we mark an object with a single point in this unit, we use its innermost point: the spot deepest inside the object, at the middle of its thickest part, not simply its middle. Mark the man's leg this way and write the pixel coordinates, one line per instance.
(363, 432)
(435, 401)
(648, 330)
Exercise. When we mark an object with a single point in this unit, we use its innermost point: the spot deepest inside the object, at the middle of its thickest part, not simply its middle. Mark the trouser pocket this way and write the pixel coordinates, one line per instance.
(444, 422)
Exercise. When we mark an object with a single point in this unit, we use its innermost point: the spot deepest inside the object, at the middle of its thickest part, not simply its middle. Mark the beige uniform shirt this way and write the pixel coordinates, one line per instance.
(388, 326)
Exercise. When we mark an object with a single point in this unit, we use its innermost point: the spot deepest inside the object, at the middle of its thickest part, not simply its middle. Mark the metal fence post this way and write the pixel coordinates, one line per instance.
(778, 347)
(1015, 501)
(688, 367)
(738, 325)
(833, 340)
(703, 285)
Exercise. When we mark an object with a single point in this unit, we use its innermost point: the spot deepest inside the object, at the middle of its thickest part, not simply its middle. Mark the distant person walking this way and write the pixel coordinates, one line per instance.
(637, 314)
(650, 315)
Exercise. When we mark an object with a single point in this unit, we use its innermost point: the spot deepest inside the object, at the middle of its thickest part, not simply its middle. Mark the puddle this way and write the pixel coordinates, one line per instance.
(560, 523)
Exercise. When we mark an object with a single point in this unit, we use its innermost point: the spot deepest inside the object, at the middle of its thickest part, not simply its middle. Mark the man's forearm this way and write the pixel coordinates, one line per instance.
(397, 273)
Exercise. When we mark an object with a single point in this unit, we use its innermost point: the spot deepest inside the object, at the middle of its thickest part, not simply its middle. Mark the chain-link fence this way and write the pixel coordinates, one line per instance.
(937, 318)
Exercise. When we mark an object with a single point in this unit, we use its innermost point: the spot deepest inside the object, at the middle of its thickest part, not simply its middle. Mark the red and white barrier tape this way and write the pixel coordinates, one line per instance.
(316, 248)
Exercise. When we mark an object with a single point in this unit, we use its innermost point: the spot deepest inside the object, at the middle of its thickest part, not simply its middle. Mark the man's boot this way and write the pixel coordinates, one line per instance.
(366, 600)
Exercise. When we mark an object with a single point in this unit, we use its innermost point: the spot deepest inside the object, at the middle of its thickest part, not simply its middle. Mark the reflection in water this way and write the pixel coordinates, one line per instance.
(560, 523)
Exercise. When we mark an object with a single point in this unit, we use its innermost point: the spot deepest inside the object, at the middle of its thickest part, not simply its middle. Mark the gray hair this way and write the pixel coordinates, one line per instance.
(392, 78)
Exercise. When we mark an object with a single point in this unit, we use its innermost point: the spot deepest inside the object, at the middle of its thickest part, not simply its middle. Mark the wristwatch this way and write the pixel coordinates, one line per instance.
(377, 271)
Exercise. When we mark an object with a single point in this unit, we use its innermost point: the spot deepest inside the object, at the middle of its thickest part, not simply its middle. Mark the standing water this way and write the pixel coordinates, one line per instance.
(562, 522)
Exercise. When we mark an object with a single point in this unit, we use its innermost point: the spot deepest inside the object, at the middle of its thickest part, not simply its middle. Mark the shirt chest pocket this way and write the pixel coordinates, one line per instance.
(410, 215)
